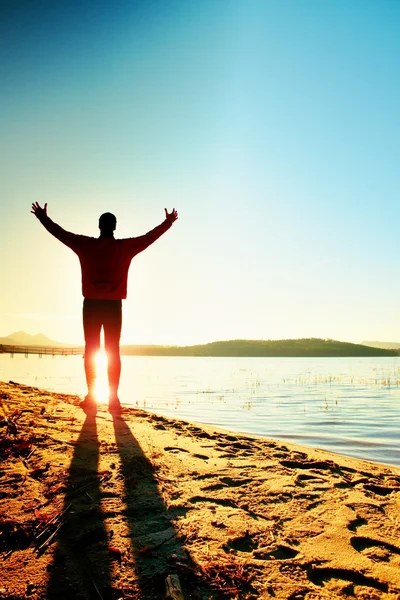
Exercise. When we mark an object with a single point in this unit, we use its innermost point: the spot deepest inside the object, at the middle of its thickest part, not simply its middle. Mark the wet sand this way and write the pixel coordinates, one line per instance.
(98, 507)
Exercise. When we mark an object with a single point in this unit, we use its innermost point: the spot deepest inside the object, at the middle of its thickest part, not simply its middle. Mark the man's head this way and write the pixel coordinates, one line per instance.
(107, 223)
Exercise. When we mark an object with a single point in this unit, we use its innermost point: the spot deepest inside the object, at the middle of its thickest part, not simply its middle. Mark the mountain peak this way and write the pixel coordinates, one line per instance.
(27, 339)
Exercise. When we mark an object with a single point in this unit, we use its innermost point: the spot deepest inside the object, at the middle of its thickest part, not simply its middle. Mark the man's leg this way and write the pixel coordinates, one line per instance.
(112, 332)
(91, 328)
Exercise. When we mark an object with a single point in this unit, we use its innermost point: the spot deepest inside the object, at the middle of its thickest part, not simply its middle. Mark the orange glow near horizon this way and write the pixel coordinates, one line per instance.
(101, 388)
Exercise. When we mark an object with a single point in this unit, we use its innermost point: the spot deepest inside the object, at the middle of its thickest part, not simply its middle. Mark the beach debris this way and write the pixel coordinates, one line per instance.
(30, 588)
(173, 588)
(38, 472)
(115, 553)
(219, 524)
(25, 460)
(12, 428)
(178, 562)
(145, 549)
(230, 576)
(14, 534)
(47, 535)
(11, 422)
(95, 586)
(15, 446)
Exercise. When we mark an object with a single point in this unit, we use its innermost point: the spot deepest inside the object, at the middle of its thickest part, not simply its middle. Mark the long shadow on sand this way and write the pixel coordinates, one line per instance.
(81, 569)
(83, 561)
(154, 544)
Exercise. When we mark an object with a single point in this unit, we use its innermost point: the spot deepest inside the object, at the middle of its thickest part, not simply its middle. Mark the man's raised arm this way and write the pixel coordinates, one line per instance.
(144, 241)
(66, 237)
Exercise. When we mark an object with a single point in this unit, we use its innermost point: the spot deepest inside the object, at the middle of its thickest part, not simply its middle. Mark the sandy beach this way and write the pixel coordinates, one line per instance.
(103, 507)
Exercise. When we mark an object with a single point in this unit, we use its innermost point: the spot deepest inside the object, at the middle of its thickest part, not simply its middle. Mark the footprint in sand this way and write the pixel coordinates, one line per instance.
(214, 487)
(367, 509)
(196, 476)
(229, 438)
(365, 514)
(201, 456)
(376, 550)
(234, 446)
(236, 482)
(248, 543)
(235, 449)
(199, 432)
(322, 575)
(356, 523)
(219, 501)
(226, 482)
(309, 464)
(380, 490)
(276, 552)
(175, 449)
(243, 543)
(316, 482)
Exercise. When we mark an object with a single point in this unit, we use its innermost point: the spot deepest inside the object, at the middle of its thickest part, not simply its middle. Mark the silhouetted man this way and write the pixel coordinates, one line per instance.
(105, 263)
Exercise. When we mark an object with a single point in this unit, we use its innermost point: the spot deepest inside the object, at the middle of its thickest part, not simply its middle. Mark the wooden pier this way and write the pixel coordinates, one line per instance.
(41, 350)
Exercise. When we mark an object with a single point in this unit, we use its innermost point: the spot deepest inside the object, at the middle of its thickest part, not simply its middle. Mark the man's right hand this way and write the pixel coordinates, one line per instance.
(38, 211)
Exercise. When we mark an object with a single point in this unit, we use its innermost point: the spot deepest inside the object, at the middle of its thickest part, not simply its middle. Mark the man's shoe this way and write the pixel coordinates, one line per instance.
(114, 406)
(89, 405)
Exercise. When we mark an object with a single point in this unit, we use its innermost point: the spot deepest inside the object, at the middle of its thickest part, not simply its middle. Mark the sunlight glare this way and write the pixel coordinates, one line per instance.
(101, 388)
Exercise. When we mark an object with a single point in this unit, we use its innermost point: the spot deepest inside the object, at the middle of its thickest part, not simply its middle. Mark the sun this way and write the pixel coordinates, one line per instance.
(101, 387)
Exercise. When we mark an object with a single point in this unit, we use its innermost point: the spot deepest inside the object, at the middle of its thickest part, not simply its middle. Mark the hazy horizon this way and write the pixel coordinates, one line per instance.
(273, 128)
(128, 343)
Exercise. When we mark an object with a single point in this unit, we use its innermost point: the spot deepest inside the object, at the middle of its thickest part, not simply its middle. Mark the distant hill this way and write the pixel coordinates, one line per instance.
(21, 338)
(273, 348)
(313, 347)
(387, 345)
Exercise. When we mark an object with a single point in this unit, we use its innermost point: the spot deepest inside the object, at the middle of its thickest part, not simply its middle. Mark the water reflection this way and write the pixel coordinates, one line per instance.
(349, 405)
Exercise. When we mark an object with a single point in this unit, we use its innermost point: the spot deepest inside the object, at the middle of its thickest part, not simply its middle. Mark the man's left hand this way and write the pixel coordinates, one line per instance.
(172, 216)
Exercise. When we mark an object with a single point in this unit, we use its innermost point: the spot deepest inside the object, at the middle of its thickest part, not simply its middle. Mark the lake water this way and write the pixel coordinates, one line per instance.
(347, 405)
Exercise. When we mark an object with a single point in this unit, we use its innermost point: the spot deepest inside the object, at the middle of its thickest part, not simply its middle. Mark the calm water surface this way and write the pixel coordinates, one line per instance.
(347, 405)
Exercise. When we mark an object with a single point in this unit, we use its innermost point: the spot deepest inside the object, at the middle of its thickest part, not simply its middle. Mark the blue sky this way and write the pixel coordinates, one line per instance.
(273, 128)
